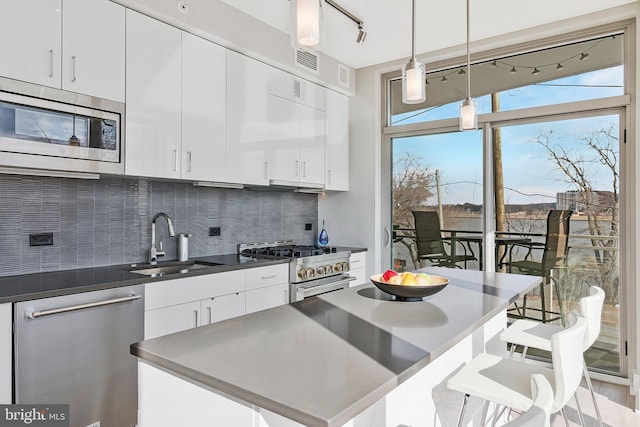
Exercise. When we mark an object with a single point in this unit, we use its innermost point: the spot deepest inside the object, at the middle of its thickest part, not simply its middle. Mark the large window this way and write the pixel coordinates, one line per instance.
(559, 147)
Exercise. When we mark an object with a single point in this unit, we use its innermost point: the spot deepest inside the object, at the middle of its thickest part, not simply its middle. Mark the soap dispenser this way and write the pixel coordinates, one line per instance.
(183, 246)
(323, 237)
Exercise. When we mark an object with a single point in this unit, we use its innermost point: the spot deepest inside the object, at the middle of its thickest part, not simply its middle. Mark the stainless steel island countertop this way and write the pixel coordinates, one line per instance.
(323, 360)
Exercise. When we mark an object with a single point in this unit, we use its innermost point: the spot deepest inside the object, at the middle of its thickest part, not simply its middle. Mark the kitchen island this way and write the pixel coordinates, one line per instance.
(352, 357)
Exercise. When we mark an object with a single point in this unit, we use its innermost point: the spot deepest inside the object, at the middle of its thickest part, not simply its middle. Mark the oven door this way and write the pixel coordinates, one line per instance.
(312, 288)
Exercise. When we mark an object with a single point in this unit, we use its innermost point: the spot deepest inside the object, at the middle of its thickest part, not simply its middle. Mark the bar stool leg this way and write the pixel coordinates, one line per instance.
(564, 415)
(587, 378)
(464, 406)
(580, 416)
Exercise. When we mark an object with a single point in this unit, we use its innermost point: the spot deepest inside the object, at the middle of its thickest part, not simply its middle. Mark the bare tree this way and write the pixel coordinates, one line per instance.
(412, 188)
(601, 147)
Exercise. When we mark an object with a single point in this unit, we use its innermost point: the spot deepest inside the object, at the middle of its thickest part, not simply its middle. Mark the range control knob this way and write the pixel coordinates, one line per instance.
(329, 268)
(321, 270)
(345, 266)
(337, 267)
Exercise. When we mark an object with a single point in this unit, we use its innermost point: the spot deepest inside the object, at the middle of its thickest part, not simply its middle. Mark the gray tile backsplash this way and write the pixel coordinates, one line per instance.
(108, 221)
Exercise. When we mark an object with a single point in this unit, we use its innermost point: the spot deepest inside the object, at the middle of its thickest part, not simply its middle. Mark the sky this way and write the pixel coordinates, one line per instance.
(529, 175)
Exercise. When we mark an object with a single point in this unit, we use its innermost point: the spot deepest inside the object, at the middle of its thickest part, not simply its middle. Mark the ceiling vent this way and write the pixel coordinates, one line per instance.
(343, 75)
(307, 60)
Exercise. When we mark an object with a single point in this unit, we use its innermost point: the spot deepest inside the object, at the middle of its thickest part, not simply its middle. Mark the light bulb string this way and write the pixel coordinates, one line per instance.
(459, 70)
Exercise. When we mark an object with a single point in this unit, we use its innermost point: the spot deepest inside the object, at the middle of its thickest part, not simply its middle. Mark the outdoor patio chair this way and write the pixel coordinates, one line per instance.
(554, 256)
(431, 245)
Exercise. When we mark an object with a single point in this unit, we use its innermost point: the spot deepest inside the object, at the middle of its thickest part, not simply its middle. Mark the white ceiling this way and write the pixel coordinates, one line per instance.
(440, 24)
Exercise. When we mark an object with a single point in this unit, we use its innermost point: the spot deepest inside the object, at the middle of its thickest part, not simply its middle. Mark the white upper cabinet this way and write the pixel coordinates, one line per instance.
(247, 120)
(312, 145)
(93, 48)
(153, 125)
(297, 131)
(79, 48)
(28, 55)
(337, 141)
(204, 109)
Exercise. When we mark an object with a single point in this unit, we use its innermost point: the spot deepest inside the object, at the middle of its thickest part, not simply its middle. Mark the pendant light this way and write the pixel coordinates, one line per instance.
(468, 108)
(306, 24)
(413, 74)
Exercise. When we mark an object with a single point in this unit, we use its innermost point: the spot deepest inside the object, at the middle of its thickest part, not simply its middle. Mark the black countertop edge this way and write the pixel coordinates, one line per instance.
(349, 248)
(57, 283)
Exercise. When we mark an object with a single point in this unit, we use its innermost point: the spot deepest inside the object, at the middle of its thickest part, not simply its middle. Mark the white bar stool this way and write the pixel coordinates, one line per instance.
(533, 334)
(506, 381)
(540, 412)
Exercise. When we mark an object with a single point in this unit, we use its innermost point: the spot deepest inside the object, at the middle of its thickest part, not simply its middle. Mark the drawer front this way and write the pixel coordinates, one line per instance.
(358, 260)
(178, 291)
(267, 276)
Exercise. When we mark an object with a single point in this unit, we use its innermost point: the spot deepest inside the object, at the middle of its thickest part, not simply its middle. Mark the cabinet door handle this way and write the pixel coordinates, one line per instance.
(329, 176)
(354, 261)
(286, 296)
(195, 312)
(50, 62)
(388, 233)
(304, 169)
(189, 161)
(266, 170)
(297, 167)
(175, 160)
(273, 276)
(209, 310)
(73, 69)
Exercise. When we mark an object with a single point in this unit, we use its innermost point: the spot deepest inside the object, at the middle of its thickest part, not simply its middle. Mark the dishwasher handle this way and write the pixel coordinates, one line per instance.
(31, 314)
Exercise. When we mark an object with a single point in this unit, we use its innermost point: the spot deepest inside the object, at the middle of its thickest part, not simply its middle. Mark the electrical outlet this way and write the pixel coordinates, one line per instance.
(214, 231)
(41, 239)
(308, 226)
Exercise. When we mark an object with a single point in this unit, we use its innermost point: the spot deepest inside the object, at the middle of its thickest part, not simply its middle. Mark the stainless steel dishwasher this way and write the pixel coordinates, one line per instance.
(74, 350)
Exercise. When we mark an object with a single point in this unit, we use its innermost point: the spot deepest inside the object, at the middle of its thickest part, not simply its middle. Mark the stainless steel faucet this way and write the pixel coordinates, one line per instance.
(153, 252)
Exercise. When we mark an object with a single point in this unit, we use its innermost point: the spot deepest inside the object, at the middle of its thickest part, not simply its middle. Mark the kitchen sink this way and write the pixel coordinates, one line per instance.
(174, 268)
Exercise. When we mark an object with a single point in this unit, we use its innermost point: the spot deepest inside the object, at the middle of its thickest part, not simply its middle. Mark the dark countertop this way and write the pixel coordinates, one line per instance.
(359, 343)
(50, 284)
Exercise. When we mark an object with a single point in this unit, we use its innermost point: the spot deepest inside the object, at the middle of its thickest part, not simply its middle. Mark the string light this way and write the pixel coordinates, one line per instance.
(513, 68)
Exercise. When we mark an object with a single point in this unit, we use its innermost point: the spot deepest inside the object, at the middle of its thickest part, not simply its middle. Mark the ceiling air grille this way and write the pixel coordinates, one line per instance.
(343, 75)
(307, 60)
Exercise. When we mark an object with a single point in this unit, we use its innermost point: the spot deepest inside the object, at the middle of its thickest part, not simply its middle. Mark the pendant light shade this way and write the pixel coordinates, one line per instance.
(468, 115)
(306, 22)
(414, 89)
(468, 109)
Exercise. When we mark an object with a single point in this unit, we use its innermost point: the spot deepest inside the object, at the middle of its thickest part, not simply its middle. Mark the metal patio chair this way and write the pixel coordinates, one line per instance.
(431, 245)
(554, 256)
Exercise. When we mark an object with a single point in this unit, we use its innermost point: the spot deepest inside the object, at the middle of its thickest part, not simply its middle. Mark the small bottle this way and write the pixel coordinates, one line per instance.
(323, 237)
(183, 246)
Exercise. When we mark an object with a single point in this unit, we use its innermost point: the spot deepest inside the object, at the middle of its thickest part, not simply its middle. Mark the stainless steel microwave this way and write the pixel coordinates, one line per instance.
(45, 132)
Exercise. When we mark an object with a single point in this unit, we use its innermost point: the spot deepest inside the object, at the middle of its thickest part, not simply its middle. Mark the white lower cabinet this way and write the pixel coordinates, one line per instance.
(264, 298)
(6, 334)
(220, 308)
(167, 320)
(358, 268)
(267, 287)
(180, 304)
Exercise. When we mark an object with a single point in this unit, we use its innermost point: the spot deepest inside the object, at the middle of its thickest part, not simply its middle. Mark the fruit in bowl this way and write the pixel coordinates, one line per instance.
(409, 286)
(409, 279)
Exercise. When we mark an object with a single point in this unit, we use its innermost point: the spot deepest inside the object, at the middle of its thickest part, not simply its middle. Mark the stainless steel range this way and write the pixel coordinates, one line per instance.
(313, 270)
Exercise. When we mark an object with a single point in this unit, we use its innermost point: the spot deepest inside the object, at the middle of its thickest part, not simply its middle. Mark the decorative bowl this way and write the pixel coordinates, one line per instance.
(410, 292)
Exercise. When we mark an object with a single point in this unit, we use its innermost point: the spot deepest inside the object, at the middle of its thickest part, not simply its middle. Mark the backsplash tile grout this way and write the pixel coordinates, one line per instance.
(108, 221)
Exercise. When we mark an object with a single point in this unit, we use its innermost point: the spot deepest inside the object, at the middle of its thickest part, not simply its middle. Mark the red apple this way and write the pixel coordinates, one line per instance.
(388, 274)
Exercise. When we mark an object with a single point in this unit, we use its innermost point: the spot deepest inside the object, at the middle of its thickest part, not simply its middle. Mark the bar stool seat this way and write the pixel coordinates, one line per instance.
(506, 381)
(539, 413)
(538, 335)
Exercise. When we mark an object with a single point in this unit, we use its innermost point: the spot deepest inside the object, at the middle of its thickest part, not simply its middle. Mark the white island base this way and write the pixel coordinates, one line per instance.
(167, 399)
